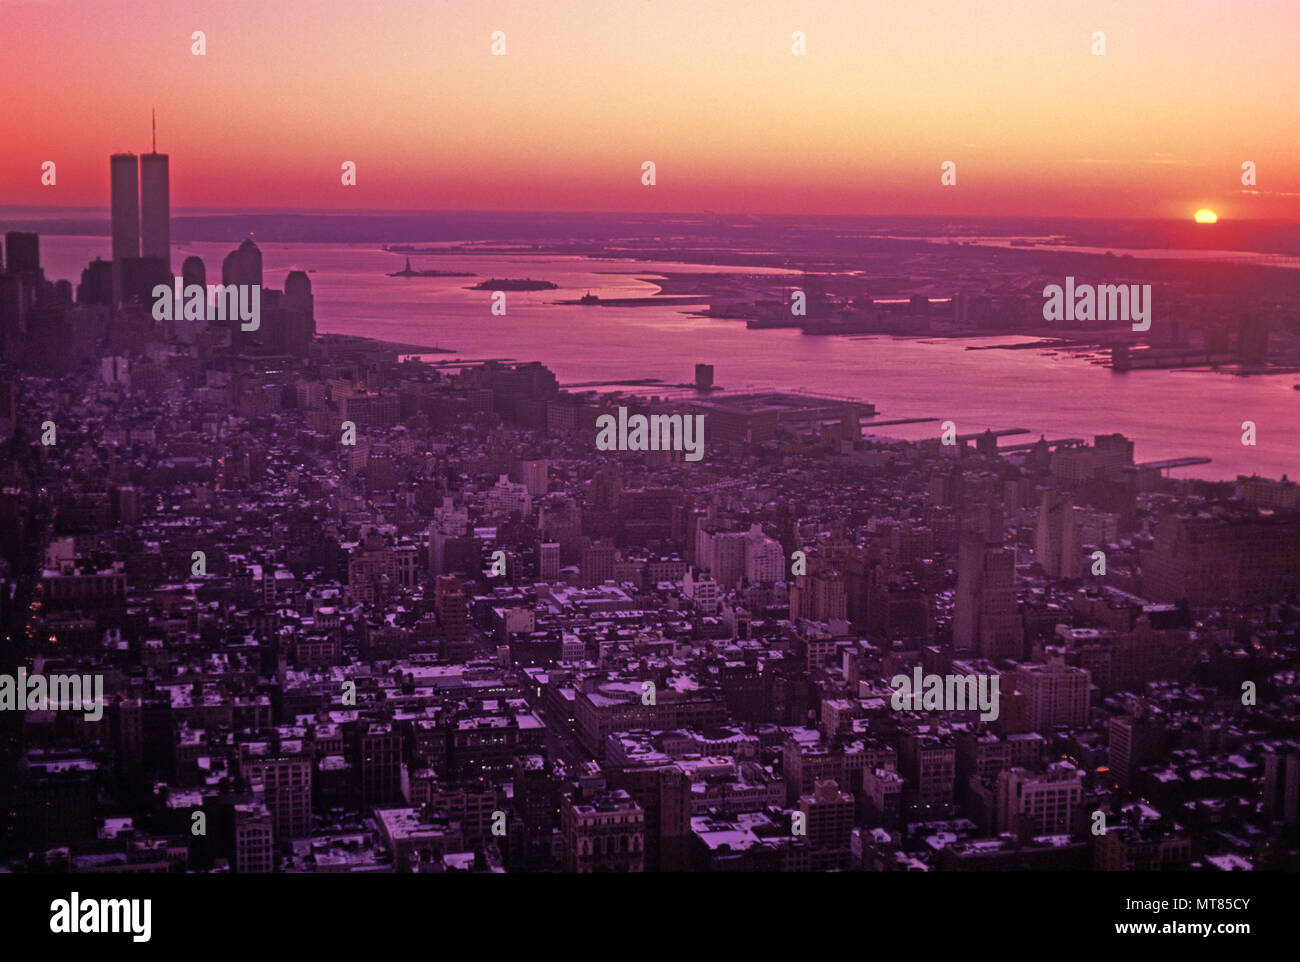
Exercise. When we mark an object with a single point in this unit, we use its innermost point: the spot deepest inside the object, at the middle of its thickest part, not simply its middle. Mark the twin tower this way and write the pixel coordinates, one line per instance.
(141, 205)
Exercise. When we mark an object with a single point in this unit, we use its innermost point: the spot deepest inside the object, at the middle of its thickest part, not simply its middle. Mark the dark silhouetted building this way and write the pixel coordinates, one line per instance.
(155, 208)
(987, 619)
(124, 170)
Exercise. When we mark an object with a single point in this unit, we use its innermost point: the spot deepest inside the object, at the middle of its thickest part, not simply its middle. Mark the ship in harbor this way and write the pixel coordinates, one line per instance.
(655, 300)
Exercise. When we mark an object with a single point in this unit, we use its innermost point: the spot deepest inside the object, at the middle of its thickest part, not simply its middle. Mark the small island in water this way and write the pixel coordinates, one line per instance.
(503, 284)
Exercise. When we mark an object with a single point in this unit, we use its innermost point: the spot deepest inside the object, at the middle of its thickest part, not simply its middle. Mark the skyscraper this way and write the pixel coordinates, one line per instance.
(1281, 781)
(242, 265)
(449, 605)
(96, 285)
(986, 618)
(155, 208)
(1057, 543)
(24, 252)
(194, 272)
(124, 170)
(548, 562)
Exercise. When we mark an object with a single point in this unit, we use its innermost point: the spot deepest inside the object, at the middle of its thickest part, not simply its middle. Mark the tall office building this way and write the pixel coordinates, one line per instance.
(449, 605)
(987, 618)
(1045, 800)
(722, 553)
(96, 285)
(243, 265)
(297, 294)
(138, 276)
(1281, 788)
(19, 289)
(193, 272)
(1057, 546)
(548, 561)
(928, 762)
(376, 754)
(764, 559)
(597, 564)
(821, 594)
(23, 252)
(1055, 693)
(285, 781)
(535, 475)
(124, 171)
(155, 208)
(828, 821)
(1217, 561)
(254, 835)
(293, 324)
(1136, 739)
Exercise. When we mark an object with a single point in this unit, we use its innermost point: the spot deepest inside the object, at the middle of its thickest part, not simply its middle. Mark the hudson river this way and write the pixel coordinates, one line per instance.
(1167, 413)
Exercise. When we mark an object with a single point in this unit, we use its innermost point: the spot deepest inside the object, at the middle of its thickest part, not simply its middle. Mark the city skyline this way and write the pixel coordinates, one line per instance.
(871, 452)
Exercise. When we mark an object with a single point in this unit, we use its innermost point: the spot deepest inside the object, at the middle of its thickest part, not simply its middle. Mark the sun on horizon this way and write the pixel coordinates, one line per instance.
(1205, 216)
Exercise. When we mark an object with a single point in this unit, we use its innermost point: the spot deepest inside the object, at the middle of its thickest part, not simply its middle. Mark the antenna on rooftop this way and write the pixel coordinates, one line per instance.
(154, 114)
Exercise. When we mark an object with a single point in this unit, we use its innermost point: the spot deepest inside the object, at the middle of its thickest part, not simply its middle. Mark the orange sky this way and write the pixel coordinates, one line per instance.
(708, 89)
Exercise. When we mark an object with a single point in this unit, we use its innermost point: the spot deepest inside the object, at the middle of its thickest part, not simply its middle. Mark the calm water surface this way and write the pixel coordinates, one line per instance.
(1167, 413)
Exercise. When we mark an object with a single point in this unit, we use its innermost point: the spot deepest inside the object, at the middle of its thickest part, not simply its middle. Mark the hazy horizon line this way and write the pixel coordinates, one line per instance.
(15, 209)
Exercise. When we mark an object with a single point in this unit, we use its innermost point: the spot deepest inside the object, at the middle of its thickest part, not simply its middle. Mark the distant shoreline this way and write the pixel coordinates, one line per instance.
(401, 348)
